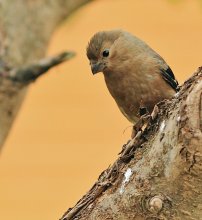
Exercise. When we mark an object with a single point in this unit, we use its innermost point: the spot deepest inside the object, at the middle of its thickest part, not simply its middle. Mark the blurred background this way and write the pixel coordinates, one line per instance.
(69, 128)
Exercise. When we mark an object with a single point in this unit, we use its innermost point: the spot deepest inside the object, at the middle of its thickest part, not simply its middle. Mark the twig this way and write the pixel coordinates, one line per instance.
(33, 71)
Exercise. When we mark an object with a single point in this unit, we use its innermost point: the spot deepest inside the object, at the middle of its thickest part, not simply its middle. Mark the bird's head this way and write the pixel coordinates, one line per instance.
(99, 50)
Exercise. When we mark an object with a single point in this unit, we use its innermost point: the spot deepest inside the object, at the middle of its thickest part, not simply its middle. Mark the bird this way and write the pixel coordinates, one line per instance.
(136, 76)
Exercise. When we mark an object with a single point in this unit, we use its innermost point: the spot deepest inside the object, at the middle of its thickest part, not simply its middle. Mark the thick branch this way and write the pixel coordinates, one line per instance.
(25, 30)
(158, 174)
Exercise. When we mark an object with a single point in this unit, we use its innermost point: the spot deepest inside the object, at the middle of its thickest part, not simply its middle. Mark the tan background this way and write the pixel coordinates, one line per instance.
(69, 128)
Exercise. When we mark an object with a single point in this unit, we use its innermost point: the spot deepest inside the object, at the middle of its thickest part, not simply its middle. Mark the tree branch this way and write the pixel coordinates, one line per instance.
(24, 37)
(158, 174)
(32, 72)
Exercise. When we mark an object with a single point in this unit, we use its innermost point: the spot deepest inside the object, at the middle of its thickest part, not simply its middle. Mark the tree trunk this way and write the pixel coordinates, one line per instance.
(158, 174)
(25, 29)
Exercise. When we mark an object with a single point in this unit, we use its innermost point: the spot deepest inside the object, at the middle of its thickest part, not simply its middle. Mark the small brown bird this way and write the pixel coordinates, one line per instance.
(136, 76)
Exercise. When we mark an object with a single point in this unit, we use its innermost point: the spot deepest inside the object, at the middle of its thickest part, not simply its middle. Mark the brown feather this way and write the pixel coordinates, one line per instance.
(132, 71)
(96, 43)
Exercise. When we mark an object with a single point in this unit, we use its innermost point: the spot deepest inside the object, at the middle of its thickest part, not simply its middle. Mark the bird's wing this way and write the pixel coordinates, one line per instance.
(169, 77)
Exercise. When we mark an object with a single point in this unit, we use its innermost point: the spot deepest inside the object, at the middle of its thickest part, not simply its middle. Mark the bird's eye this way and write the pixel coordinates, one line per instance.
(105, 53)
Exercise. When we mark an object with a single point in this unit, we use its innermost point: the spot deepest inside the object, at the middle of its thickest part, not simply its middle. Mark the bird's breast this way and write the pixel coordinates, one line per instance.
(125, 93)
(132, 91)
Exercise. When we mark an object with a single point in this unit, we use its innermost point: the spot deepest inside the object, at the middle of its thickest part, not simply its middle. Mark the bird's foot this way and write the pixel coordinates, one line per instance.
(141, 124)
(143, 111)
(144, 120)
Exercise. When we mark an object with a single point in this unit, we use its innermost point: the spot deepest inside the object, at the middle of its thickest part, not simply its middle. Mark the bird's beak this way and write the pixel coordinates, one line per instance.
(96, 67)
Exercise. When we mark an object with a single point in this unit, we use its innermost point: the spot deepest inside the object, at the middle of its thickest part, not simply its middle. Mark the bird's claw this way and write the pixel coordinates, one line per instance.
(141, 124)
(144, 120)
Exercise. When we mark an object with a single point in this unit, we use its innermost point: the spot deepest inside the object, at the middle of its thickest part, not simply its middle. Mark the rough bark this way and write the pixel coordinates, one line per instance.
(25, 29)
(158, 174)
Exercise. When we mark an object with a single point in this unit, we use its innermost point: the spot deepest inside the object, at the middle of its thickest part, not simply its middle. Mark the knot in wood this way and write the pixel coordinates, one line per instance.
(155, 204)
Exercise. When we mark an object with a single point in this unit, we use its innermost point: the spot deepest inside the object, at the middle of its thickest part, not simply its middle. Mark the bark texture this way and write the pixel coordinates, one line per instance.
(158, 174)
(25, 29)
